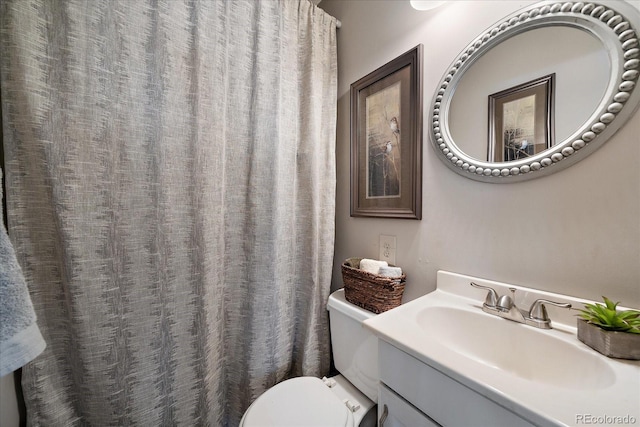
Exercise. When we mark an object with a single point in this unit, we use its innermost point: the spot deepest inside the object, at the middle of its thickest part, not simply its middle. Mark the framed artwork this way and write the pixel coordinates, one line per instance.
(521, 120)
(386, 140)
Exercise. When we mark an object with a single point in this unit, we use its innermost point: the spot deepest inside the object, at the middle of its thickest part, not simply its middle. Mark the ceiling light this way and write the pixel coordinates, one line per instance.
(425, 4)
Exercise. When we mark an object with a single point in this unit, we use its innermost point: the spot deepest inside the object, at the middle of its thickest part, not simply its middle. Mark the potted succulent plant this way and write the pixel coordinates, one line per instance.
(612, 332)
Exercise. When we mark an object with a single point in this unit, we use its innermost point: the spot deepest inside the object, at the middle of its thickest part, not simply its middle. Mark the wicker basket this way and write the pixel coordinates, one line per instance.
(371, 291)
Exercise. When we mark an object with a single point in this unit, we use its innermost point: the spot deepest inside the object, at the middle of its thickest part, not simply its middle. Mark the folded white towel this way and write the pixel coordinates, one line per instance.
(390, 271)
(371, 265)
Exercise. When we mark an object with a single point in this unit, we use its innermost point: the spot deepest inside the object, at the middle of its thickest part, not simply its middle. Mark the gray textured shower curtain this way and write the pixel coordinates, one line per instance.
(170, 177)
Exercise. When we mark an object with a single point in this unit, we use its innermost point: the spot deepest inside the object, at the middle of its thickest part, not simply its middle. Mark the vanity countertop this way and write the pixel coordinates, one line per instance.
(566, 383)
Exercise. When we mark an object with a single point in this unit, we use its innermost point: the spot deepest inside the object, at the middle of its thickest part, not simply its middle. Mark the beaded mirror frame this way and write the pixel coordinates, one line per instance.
(615, 24)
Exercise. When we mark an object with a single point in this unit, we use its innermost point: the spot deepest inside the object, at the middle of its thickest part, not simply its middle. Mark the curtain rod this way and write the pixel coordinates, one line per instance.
(338, 23)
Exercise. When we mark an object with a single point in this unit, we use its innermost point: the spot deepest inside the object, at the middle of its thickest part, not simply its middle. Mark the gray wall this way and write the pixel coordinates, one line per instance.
(8, 405)
(575, 232)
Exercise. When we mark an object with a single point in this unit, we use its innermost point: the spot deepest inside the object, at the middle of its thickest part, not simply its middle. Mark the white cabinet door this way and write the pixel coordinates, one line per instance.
(394, 411)
(438, 395)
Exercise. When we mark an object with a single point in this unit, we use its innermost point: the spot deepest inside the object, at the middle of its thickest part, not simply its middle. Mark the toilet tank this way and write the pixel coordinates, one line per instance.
(355, 348)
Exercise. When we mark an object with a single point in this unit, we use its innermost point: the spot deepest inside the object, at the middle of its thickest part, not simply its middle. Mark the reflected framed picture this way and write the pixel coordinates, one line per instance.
(386, 140)
(521, 120)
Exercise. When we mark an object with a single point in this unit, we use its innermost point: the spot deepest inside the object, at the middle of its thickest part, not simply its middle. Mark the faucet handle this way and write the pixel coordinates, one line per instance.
(492, 296)
(506, 302)
(539, 312)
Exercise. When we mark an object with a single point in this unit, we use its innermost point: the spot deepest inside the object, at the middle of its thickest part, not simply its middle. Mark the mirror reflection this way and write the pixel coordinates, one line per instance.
(581, 67)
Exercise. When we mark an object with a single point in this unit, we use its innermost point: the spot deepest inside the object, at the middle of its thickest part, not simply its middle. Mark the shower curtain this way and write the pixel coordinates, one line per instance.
(170, 173)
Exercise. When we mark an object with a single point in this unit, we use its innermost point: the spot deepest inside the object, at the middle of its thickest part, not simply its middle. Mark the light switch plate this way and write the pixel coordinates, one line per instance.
(388, 249)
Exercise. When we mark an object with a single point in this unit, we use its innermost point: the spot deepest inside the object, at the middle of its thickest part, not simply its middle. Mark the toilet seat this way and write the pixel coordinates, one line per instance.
(302, 401)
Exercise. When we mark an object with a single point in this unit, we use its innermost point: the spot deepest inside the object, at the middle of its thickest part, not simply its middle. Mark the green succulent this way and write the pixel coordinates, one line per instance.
(609, 318)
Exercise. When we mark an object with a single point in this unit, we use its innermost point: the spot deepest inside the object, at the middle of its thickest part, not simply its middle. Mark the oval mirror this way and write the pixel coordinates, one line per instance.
(538, 91)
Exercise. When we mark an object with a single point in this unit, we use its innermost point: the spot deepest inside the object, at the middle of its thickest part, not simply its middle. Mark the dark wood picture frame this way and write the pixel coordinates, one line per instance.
(386, 140)
(521, 120)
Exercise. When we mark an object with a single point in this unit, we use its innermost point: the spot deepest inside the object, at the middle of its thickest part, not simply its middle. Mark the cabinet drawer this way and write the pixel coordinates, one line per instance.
(394, 411)
(440, 397)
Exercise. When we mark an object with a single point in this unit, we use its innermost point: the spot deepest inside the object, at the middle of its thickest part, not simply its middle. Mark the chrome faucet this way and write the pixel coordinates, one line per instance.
(506, 308)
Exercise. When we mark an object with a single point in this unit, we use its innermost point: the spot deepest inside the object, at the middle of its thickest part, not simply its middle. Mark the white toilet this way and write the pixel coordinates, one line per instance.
(344, 400)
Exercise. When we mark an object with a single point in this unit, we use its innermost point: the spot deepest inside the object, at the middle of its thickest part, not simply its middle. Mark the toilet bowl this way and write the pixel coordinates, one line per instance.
(348, 399)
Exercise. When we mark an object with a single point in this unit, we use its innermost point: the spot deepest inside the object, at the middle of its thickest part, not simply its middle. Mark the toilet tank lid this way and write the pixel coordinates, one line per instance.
(303, 401)
(338, 302)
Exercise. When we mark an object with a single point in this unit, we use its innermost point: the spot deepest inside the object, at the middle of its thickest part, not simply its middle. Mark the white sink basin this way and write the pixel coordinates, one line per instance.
(515, 348)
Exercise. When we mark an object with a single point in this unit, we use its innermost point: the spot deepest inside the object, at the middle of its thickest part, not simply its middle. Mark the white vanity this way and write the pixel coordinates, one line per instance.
(444, 361)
